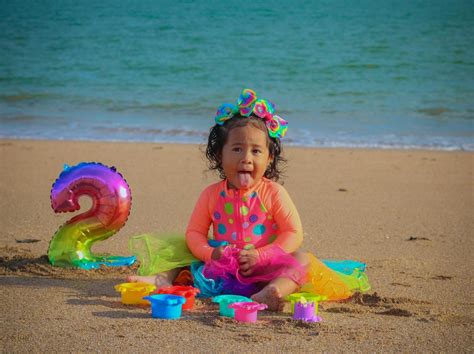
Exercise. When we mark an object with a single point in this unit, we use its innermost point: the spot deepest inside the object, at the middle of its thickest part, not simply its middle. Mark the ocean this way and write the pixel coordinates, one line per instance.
(368, 74)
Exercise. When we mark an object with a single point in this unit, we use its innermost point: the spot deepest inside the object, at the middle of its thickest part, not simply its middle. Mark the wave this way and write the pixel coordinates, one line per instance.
(360, 66)
(194, 136)
(144, 132)
(74, 102)
(434, 111)
(25, 96)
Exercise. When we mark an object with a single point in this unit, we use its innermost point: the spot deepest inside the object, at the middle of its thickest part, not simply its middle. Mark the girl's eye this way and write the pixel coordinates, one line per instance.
(257, 151)
(236, 149)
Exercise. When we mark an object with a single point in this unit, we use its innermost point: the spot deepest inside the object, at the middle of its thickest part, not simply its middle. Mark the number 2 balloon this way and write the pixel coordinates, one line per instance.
(111, 202)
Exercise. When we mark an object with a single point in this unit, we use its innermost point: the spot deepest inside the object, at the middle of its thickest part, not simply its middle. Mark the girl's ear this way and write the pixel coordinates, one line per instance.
(270, 161)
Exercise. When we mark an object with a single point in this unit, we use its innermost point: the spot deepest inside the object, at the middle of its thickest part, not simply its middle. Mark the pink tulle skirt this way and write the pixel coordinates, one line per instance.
(226, 269)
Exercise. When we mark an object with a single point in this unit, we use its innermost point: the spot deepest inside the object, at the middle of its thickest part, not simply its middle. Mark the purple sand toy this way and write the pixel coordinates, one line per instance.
(305, 311)
(305, 297)
(247, 311)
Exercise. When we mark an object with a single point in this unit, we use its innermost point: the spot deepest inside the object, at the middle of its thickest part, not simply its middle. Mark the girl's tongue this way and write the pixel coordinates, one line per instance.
(245, 179)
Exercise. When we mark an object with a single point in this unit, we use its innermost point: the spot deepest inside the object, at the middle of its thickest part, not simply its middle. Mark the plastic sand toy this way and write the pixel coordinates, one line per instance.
(188, 292)
(133, 293)
(306, 311)
(225, 300)
(166, 306)
(247, 311)
(305, 297)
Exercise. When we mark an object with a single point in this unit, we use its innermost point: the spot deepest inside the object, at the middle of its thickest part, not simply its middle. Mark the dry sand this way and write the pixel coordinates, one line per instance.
(407, 214)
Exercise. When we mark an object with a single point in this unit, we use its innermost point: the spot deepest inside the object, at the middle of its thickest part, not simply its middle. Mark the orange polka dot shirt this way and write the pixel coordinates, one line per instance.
(256, 218)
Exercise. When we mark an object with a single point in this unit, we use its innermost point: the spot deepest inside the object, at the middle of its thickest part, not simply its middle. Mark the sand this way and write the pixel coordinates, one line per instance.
(408, 214)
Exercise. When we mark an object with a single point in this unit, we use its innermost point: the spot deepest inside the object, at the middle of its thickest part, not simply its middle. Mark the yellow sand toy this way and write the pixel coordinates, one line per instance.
(133, 293)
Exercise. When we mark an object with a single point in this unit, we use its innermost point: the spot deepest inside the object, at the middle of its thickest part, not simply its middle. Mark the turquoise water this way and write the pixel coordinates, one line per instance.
(363, 74)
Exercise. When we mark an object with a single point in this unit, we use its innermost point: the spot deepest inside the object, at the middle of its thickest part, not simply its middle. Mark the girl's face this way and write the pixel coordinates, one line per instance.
(245, 156)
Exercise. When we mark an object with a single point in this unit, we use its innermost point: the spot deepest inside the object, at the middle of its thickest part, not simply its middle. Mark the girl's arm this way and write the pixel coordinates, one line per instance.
(198, 228)
(290, 229)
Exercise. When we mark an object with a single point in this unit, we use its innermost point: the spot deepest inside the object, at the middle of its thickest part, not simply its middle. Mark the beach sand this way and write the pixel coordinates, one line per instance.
(407, 214)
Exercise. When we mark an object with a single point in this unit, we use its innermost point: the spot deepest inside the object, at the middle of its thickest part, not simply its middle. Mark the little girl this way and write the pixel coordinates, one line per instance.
(247, 208)
(249, 211)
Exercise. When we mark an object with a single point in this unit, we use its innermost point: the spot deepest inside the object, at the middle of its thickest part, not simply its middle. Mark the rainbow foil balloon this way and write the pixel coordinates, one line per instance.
(111, 202)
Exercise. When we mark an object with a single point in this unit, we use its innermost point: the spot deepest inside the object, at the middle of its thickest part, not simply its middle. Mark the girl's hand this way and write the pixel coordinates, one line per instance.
(217, 253)
(247, 261)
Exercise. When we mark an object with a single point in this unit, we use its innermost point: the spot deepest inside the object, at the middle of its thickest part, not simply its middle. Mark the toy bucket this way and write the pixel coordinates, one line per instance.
(166, 306)
(306, 311)
(225, 300)
(188, 292)
(305, 297)
(247, 311)
(133, 293)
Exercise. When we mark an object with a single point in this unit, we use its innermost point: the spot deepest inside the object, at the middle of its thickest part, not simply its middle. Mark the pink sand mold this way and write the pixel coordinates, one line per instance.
(305, 311)
(225, 300)
(247, 311)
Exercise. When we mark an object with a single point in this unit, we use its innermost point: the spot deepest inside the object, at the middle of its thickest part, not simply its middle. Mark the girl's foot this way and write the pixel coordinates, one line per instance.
(141, 279)
(160, 280)
(271, 296)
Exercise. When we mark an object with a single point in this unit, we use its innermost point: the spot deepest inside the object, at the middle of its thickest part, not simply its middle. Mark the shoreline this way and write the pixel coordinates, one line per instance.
(366, 146)
(405, 213)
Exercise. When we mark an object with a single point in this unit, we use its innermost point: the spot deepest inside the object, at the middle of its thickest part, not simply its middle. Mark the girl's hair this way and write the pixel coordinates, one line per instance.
(218, 137)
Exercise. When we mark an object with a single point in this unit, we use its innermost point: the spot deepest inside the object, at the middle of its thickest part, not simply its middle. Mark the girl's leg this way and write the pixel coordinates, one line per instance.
(160, 280)
(274, 292)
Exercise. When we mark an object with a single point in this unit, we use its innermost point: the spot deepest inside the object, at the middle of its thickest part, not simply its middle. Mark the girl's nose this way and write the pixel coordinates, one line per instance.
(247, 158)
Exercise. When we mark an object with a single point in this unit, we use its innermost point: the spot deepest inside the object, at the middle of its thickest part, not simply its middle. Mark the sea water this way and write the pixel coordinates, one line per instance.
(382, 74)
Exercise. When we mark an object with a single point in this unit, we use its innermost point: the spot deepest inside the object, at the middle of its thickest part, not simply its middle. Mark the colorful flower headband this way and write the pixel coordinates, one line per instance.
(247, 104)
